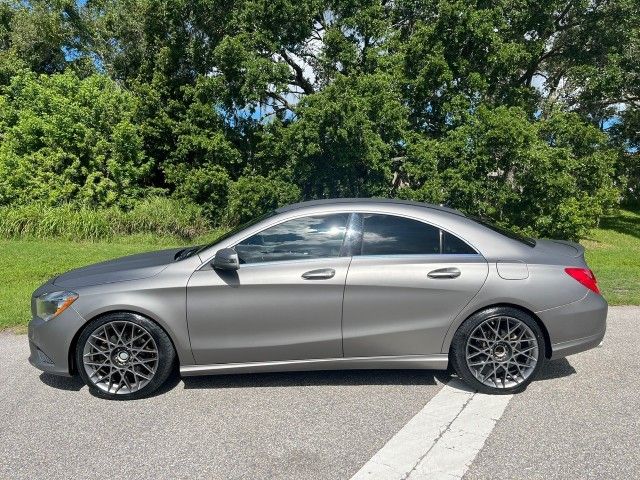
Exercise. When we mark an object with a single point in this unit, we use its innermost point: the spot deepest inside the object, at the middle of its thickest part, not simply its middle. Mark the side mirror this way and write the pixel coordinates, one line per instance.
(226, 259)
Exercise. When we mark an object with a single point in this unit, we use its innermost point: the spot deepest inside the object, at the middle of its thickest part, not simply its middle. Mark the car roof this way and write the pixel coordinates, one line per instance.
(366, 202)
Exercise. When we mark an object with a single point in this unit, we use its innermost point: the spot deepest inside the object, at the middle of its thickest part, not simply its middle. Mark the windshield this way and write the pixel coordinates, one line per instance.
(233, 231)
(506, 232)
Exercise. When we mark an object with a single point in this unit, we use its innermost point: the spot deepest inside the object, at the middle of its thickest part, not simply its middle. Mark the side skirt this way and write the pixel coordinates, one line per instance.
(428, 362)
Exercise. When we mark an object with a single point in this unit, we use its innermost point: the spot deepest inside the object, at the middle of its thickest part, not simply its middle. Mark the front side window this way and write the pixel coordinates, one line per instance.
(392, 235)
(319, 236)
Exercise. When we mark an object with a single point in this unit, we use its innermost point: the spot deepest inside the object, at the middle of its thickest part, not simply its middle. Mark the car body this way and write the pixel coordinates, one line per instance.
(330, 284)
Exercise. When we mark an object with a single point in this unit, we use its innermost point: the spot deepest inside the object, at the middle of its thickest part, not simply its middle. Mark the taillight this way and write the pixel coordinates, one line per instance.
(585, 277)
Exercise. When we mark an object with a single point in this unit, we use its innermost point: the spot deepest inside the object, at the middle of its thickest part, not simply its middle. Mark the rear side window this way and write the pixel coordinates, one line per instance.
(392, 235)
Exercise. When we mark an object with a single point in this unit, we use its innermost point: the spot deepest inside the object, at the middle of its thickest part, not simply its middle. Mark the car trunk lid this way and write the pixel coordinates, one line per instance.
(560, 247)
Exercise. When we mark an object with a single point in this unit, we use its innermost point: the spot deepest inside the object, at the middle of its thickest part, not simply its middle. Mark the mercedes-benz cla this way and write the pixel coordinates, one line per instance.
(335, 284)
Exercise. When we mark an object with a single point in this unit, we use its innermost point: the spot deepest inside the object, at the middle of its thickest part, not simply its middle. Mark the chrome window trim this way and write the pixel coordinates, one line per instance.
(349, 209)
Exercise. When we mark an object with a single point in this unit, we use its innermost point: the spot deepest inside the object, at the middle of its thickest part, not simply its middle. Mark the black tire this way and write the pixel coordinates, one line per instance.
(458, 355)
(166, 356)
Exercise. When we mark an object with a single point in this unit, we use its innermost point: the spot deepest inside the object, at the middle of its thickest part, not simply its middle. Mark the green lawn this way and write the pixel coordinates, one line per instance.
(613, 252)
(26, 264)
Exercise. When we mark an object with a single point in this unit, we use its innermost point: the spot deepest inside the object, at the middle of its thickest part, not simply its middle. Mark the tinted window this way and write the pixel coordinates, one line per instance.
(298, 239)
(390, 235)
(453, 245)
(531, 242)
(231, 233)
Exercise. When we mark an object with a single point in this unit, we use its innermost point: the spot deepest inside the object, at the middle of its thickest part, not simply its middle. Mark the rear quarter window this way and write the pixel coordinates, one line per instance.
(452, 245)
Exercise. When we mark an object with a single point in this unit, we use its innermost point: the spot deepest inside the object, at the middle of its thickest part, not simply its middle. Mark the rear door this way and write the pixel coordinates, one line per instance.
(406, 283)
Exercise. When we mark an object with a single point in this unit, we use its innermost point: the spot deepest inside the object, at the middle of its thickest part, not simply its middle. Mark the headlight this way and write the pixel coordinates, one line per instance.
(50, 305)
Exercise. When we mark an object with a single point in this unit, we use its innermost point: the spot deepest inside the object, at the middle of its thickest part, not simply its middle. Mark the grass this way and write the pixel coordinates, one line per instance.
(154, 215)
(26, 264)
(613, 252)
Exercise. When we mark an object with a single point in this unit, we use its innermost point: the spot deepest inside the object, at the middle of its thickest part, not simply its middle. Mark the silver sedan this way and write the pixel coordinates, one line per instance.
(331, 284)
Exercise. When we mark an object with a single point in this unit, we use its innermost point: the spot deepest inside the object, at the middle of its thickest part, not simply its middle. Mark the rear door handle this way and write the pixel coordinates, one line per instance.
(449, 272)
(320, 274)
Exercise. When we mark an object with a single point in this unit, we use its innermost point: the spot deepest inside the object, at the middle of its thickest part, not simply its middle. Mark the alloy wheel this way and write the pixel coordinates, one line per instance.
(120, 357)
(502, 352)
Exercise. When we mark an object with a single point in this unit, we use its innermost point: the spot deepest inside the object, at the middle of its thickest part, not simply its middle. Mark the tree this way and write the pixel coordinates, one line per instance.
(473, 103)
(45, 35)
(551, 178)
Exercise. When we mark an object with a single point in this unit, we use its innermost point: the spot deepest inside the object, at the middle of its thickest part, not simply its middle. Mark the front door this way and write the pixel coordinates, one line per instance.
(284, 302)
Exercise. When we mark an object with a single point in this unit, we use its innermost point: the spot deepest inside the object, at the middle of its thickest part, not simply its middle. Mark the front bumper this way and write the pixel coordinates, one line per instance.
(576, 327)
(50, 342)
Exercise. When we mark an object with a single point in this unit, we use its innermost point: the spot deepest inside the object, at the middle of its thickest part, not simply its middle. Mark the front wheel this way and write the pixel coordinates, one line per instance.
(499, 350)
(124, 356)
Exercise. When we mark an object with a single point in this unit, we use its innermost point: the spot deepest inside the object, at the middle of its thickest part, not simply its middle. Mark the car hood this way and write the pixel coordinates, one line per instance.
(133, 267)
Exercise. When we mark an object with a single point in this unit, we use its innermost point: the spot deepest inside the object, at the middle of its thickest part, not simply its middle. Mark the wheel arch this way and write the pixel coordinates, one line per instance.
(543, 328)
(73, 368)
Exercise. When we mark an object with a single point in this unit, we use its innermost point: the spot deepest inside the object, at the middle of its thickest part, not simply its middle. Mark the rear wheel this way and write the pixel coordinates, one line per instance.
(498, 350)
(124, 356)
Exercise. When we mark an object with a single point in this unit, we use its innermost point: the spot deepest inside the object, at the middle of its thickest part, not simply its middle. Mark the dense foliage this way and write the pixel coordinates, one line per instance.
(64, 138)
(522, 111)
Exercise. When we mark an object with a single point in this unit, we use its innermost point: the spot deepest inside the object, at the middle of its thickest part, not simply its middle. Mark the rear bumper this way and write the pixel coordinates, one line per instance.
(576, 327)
(578, 345)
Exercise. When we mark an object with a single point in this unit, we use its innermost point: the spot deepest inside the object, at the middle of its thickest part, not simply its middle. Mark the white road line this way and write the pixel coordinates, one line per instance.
(441, 440)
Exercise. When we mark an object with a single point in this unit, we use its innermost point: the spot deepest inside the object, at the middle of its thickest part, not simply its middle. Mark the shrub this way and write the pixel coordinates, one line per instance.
(551, 178)
(207, 186)
(66, 139)
(252, 196)
(345, 138)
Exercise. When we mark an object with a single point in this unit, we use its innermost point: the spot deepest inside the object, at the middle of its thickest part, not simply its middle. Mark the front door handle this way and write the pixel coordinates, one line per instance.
(320, 274)
(449, 272)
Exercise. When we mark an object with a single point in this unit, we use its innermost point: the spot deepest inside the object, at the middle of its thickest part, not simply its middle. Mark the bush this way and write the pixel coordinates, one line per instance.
(253, 196)
(344, 139)
(207, 186)
(156, 215)
(66, 139)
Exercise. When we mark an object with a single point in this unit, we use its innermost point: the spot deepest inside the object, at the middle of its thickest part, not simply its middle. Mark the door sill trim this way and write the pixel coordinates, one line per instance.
(438, 361)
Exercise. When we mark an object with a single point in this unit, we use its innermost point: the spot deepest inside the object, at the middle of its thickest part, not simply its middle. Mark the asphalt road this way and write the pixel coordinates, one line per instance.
(581, 420)
(301, 425)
